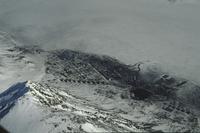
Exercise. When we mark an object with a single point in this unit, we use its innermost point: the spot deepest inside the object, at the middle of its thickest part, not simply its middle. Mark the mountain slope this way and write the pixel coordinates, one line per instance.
(75, 91)
(47, 109)
(18, 63)
(61, 109)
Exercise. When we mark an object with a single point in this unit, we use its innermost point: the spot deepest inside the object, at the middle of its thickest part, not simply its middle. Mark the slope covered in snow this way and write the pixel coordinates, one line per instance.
(86, 92)
(18, 63)
(10, 96)
(50, 110)
(47, 109)
(75, 91)
(68, 90)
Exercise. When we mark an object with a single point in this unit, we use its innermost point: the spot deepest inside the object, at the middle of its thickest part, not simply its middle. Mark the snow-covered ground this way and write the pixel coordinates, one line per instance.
(163, 34)
(53, 103)
(15, 66)
(163, 31)
(47, 109)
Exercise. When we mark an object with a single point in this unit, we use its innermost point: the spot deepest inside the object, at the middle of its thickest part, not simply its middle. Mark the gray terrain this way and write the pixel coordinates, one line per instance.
(99, 66)
(74, 91)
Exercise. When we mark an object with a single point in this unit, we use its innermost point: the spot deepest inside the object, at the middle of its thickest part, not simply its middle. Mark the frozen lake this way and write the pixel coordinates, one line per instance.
(163, 31)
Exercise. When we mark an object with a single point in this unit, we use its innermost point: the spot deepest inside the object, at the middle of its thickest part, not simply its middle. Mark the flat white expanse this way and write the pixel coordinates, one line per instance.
(130, 30)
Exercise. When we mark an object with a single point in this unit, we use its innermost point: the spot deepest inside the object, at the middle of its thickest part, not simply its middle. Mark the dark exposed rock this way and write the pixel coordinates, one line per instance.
(140, 94)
